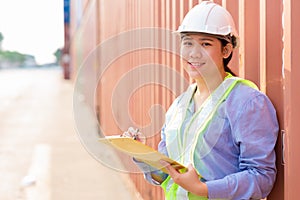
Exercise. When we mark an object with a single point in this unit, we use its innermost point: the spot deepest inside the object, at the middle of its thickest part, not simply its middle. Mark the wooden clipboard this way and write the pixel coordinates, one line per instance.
(140, 152)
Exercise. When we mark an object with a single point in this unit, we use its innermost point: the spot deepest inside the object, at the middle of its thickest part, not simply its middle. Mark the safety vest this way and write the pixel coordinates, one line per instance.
(181, 147)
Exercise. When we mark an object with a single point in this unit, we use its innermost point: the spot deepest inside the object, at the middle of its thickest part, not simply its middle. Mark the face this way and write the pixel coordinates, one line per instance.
(202, 55)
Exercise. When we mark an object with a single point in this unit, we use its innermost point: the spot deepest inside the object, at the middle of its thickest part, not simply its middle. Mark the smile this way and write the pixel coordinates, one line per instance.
(196, 64)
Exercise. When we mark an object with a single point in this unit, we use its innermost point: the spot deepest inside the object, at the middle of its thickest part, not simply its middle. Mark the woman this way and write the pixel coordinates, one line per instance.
(222, 127)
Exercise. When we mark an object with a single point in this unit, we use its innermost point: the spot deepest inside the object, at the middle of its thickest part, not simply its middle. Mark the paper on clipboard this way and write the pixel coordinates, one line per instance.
(140, 152)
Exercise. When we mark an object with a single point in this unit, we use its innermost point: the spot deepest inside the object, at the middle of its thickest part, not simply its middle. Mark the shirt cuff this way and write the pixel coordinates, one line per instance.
(147, 170)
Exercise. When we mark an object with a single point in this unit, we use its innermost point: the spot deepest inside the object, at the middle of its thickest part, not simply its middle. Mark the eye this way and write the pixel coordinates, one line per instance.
(205, 44)
(187, 43)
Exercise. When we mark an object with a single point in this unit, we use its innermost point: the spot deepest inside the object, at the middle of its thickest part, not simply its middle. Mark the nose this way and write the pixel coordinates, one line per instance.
(196, 51)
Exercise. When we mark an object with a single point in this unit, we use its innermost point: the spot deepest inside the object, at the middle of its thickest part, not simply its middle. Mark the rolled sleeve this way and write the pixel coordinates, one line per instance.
(255, 132)
(148, 170)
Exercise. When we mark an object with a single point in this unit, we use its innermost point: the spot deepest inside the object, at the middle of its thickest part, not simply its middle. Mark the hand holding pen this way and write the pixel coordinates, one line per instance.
(135, 134)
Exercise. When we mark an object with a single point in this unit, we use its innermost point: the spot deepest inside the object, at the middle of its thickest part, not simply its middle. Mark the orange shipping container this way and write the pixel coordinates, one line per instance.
(129, 68)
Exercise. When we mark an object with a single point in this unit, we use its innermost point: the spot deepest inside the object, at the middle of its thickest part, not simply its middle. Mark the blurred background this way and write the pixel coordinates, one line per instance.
(75, 70)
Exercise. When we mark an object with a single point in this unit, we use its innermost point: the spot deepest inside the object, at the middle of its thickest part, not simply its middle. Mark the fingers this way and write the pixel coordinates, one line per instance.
(126, 134)
(129, 133)
(140, 137)
(190, 167)
(135, 134)
(188, 180)
(165, 163)
(171, 170)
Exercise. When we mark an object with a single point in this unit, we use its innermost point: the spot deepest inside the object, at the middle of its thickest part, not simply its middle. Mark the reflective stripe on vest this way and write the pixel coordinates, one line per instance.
(182, 148)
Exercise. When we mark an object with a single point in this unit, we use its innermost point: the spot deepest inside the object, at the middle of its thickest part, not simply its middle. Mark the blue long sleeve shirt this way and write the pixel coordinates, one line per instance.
(238, 158)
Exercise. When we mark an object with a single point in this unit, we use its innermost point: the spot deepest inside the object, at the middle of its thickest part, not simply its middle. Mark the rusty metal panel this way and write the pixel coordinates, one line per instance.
(291, 97)
(274, 82)
(233, 7)
(262, 46)
(80, 48)
(251, 40)
(264, 57)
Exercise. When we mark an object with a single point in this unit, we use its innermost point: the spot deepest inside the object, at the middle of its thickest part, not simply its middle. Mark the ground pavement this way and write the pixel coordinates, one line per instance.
(41, 156)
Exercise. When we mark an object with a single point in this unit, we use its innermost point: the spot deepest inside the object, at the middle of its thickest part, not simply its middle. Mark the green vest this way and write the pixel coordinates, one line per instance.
(182, 148)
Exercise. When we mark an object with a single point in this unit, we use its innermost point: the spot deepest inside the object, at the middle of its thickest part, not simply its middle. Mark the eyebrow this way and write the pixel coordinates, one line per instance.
(209, 39)
(186, 37)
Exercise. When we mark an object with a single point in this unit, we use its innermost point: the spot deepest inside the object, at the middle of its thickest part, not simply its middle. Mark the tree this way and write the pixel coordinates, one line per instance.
(57, 55)
(13, 58)
(1, 39)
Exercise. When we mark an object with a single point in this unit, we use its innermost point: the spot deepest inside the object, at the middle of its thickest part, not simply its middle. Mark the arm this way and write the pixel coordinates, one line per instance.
(254, 128)
(152, 175)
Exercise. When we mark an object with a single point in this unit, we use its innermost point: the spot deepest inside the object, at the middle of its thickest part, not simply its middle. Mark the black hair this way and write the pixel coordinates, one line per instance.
(227, 60)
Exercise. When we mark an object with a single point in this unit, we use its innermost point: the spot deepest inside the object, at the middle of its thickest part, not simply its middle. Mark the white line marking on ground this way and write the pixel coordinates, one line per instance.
(37, 184)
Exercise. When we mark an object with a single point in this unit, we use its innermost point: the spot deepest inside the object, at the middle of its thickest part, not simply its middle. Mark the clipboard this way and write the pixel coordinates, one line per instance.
(141, 152)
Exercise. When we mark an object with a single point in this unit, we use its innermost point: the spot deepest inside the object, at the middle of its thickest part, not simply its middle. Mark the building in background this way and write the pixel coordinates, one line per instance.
(65, 54)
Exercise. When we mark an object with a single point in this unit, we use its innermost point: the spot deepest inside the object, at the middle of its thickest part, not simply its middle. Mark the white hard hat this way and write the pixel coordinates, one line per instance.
(208, 17)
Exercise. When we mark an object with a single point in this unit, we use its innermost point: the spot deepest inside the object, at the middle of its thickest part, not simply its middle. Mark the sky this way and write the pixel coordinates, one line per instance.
(34, 27)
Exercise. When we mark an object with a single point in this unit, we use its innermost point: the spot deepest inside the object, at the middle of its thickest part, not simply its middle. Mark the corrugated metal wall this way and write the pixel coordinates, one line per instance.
(136, 68)
(291, 111)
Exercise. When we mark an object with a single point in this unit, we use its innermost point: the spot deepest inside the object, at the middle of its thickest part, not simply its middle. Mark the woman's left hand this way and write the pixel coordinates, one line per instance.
(188, 180)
